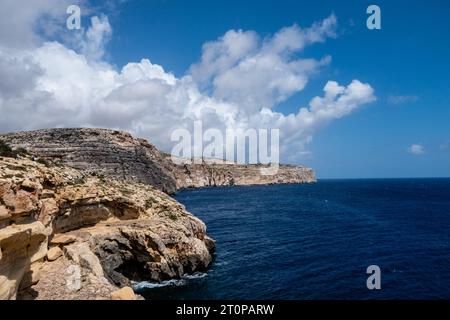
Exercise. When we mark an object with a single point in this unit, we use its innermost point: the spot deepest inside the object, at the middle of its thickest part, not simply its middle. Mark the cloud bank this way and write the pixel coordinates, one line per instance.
(237, 84)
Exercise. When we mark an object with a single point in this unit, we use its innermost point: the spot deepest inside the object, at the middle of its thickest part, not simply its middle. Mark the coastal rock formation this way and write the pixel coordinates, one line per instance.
(126, 293)
(85, 212)
(68, 234)
(107, 153)
(118, 155)
(212, 174)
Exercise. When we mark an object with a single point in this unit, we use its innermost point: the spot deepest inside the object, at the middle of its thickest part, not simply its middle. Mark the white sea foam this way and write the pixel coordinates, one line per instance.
(173, 282)
(197, 275)
(152, 285)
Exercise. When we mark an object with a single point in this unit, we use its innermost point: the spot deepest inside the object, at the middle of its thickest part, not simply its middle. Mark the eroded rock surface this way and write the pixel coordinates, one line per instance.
(88, 212)
(67, 234)
(118, 155)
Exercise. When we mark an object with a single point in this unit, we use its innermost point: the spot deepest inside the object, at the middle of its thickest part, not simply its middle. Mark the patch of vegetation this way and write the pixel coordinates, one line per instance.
(76, 182)
(58, 164)
(172, 216)
(6, 150)
(125, 191)
(43, 161)
(100, 177)
(150, 202)
(22, 152)
(13, 167)
(164, 207)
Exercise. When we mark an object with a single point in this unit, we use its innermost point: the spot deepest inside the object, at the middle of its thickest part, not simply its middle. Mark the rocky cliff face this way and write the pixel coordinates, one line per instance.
(109, 153)
(118, 155)
(65, 234)
(87, 213)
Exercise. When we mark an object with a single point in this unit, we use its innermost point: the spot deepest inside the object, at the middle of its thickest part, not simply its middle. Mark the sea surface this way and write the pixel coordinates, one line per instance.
(315, 241)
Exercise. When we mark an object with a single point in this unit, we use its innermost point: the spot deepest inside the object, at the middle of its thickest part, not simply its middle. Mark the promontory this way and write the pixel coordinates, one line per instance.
(85, 213)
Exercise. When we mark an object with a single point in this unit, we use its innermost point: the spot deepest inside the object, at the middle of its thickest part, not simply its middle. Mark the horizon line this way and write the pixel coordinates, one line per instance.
(385, 178)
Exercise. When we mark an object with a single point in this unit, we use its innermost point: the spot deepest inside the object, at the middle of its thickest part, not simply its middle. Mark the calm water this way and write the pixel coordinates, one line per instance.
(316, 241)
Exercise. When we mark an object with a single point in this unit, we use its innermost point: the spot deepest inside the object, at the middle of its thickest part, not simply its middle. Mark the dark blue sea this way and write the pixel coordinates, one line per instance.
(315, 241)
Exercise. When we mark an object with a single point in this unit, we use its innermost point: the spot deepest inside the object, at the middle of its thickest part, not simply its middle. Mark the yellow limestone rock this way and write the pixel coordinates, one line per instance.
(63, 239)
(32, 276)
(54, 253)
(20, 246)
(126, 293)
(100, 224)
(4, 214)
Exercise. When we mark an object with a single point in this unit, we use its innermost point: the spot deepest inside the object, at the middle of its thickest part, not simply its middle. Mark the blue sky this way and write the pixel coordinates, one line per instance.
(404, 133)
(408, 57)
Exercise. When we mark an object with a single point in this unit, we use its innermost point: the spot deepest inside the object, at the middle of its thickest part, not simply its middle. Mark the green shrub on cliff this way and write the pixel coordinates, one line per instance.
(150, 202)
(6, 150)
(43, 161)
(22, 152)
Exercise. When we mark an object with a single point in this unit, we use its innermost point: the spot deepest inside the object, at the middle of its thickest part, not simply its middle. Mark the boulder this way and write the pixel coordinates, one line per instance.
(82, 255)
(63, 239)
(126, 293)
(20, 247)
(54, 253)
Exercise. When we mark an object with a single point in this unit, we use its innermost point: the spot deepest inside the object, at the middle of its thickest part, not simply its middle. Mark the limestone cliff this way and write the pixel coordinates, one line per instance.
(86, 212)
(57, 222)
(117, 154)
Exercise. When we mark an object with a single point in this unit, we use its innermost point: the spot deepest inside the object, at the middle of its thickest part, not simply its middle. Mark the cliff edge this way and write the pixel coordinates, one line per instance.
(65, 234)
(86, 212)
(118, 155)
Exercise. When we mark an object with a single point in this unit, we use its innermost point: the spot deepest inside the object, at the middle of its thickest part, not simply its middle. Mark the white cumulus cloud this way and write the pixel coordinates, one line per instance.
(238, 83)
(266, 69)
(19, 20)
